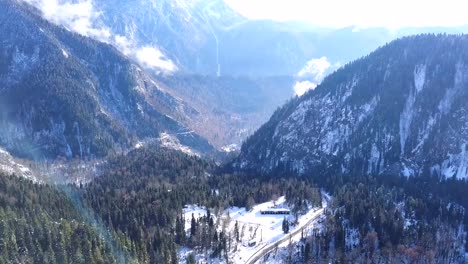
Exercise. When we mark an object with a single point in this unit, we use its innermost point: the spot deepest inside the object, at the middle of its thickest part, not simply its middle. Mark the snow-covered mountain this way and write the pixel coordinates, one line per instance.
(186, 31)
(62, 94)
(207, 37)
(400, 110)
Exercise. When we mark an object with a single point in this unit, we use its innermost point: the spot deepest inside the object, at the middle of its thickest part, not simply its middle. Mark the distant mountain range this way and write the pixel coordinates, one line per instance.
(207, 37)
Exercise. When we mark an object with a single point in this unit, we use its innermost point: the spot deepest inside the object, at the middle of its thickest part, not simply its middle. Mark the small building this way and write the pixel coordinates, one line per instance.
(275, 211)
(252, 243)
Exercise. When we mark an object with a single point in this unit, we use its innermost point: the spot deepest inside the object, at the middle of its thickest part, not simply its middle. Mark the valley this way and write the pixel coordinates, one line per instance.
(187, 131)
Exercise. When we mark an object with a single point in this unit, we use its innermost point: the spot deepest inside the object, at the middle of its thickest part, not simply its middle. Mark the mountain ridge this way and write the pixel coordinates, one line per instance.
(379, 114)
(65, 94)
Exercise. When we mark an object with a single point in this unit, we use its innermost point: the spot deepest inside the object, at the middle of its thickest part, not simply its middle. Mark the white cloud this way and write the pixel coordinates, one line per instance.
(123, 44)
(78, 16)
(81, 16)
(312, 74)
(315, 68)
(301, 87)
(361, 13)
(154, 58)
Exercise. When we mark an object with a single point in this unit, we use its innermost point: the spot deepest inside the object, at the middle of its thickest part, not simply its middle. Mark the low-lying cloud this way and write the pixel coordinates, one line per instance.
(301, 87)
(152, 57)
(315, 68)
(312, 74)
(82, 17)
(78, 16)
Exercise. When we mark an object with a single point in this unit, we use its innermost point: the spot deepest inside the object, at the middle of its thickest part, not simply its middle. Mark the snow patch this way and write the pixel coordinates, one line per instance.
(419, 77)
(407, 172)
(231, 148)
(446, 103)
(172, 142)
(367, 109)
(139, 145)
(65, 54)
(456, 165)
(373, 163)
(406, 117)
(424, 135)
(351, 238)
(9, 165)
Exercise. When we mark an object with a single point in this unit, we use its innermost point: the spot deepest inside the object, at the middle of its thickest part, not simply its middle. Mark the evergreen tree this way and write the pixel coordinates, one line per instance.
(285, 226)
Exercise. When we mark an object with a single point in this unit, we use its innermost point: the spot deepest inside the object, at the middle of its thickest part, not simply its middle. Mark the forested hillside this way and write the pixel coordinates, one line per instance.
(392, 219)
(134, 212)
(401, 110)
(62, 94)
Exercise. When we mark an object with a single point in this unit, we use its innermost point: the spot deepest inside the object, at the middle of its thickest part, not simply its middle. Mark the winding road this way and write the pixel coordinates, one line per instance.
(297, 232)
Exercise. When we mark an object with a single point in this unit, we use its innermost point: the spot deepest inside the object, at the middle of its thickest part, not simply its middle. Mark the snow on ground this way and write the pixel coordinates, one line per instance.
(169, 141)
(139, 145)
(263, 230)
(9, 165)
(293, 244)
(196, 211)
(303, 220)
(172, 142)
(65, 54)
(231, 148)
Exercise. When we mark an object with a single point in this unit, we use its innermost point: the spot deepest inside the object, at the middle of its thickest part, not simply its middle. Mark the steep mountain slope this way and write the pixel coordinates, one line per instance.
(63, 94)
(400, 110)
(185, 30)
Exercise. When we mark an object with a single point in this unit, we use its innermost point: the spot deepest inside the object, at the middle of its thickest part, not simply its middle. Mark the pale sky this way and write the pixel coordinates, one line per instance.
(391, 14)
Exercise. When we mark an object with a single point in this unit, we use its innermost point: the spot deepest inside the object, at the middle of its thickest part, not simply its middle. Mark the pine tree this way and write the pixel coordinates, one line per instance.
(285, 226)
(193, 226)
(307, 252)
(191, 259)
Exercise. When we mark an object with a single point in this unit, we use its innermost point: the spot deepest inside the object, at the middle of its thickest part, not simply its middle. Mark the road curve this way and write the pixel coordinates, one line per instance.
(267, 248)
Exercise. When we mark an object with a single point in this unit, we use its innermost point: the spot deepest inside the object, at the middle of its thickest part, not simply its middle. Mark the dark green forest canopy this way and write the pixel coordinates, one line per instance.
(137, 210)
(134, 211)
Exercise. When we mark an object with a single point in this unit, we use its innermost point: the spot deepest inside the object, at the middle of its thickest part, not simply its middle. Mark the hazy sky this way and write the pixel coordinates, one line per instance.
(361, 13)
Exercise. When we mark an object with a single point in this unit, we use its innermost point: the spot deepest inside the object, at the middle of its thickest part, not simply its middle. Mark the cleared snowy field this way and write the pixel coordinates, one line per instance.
(256, 231)
(258, 228)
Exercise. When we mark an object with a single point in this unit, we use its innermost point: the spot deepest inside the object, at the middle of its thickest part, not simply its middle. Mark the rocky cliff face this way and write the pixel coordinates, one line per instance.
(400, 110)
